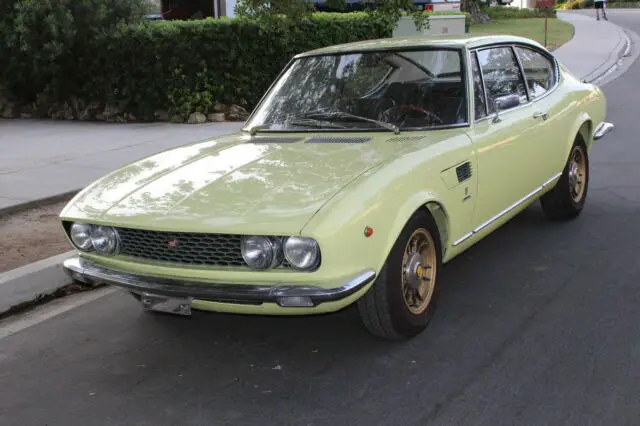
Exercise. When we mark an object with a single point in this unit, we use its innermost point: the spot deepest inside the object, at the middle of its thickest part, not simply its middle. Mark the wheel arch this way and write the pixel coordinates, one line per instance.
(585, 134)
(441, 218)
(582, 129)
(430, 204)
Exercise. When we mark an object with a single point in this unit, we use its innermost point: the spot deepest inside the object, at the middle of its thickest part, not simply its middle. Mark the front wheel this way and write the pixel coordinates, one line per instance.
(401, 302)
(566, 200)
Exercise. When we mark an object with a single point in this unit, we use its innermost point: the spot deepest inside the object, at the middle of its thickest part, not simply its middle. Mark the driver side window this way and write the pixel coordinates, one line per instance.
(501, 75)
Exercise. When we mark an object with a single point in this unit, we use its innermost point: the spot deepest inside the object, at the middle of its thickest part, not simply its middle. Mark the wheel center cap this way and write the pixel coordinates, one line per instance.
(573, 174)
(415, 271)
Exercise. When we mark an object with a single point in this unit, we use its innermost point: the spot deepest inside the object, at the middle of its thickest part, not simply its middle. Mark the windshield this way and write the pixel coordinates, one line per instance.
(364, 91)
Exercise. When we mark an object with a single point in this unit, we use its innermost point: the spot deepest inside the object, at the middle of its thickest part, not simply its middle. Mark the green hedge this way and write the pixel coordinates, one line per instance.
(188, 66)
(504, 12)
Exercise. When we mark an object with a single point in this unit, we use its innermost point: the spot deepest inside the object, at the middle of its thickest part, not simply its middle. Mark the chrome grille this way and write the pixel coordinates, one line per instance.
(190, 248)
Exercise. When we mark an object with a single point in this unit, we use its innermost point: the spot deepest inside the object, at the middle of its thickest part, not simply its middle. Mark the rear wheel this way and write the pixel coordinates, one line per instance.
(402, 301)
(566, 200)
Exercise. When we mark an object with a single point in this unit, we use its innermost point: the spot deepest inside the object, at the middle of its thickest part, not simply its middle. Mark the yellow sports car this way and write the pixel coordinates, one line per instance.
(363, 169)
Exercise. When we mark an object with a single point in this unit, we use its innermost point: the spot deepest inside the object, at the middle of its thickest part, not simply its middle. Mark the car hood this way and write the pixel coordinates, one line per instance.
(229, 184)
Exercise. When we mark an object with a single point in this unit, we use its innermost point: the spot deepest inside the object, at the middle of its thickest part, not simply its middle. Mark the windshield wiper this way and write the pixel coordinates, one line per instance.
(342, 114)
(298, 122)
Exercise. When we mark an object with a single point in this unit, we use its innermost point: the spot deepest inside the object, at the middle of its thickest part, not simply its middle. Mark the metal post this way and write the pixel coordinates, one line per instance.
(545, 30)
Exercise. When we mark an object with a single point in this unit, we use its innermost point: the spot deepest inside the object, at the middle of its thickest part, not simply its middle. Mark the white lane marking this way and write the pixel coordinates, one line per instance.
(13, 325)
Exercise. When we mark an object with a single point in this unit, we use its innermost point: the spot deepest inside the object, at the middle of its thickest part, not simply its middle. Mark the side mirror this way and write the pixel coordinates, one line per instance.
(504, 102)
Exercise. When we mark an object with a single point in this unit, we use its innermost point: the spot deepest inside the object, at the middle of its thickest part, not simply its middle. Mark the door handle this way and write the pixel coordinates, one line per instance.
(542, 115)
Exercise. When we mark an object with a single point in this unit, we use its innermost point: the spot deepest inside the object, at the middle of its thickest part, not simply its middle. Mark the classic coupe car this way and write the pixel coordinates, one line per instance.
(363, 169)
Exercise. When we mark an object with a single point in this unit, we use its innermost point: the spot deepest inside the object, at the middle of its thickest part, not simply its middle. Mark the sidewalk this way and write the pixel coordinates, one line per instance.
(595, 48)
(44, 158)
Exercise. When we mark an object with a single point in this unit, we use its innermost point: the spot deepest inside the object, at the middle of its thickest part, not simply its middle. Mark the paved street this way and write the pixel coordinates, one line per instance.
(538, 325)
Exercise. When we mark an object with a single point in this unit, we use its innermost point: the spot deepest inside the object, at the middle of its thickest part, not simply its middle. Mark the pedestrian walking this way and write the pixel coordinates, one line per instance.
(600, 4)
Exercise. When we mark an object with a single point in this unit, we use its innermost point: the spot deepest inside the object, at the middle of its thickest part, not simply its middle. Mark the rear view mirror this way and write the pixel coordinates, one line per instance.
(507, 102)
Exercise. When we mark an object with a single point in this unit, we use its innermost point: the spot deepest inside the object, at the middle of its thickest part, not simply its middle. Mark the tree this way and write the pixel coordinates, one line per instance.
(300, 10)
(43, 39)
(477, 15)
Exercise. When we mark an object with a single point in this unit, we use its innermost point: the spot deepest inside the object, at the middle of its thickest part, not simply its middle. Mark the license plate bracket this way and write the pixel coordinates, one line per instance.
(169, 305)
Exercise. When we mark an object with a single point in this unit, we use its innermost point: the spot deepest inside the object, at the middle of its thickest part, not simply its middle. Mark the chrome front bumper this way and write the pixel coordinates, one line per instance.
(602, 130)
(285, 295)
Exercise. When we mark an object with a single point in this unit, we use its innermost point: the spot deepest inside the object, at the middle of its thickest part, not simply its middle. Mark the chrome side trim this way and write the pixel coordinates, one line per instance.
(90, 272)
(602, 130)
(548, 182)
(461, 239)
(507, 210)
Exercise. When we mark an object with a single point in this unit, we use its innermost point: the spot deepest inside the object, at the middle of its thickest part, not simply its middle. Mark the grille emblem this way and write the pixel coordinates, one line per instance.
(172, 244)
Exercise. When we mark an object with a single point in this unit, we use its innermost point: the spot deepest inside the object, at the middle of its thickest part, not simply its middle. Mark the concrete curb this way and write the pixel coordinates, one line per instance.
(16, 208)
(29, 282)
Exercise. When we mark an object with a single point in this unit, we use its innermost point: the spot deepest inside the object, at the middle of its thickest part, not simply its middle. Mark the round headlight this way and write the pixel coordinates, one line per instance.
(302, 253)
(105, 240)
(80, 234)
(261, 252)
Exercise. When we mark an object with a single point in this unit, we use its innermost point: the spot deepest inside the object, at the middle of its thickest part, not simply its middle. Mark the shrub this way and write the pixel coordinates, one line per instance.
(51, 41)
(6, 24)
(185, 66)
(188, 66)
(587, 4)
(502, 12)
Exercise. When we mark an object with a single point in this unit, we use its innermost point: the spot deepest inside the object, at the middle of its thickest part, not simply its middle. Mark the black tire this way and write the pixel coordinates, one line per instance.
(562, 203)
(383, 309)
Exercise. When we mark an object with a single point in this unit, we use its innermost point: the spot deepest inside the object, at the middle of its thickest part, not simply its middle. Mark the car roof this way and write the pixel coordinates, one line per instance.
(396, 43)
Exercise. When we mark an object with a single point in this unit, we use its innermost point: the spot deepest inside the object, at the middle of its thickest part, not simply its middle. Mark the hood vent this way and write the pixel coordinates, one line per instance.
(343, 139)
(273, 139)
(405, 139)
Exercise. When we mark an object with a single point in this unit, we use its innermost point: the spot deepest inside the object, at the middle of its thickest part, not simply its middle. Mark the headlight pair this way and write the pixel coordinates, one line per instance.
(102, 239)
(269, 252)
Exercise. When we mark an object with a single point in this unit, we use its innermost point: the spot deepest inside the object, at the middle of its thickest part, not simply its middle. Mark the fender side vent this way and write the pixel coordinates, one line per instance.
(405, 139)
(273, 139)
(345, 139)
(463, 171)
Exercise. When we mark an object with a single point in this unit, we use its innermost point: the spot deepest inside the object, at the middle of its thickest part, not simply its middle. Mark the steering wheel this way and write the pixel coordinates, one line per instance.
(406, 111)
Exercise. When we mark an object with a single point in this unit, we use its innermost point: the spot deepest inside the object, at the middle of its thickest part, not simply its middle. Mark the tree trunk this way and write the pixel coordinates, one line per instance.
(477, 15)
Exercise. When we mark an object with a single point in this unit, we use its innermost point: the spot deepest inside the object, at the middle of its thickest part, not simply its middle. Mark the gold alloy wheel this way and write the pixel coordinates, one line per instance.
(419, 271)
(577, 173)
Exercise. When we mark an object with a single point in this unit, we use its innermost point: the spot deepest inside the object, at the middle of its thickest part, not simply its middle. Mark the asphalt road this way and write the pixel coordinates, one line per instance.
(539, 324)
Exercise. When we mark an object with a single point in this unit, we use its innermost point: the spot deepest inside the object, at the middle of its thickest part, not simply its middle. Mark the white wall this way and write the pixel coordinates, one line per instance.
(231, 7)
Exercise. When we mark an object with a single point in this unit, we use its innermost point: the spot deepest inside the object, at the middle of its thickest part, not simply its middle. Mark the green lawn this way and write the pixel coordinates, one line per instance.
(559, 32)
